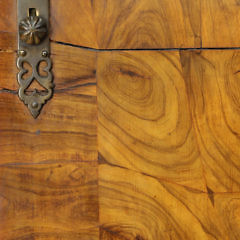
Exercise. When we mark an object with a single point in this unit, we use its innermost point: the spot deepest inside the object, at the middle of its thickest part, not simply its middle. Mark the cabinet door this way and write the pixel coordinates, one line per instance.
(140, 140)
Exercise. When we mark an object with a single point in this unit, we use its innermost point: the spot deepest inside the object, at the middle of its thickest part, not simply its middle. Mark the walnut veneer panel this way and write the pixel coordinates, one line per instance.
(117, 23)
(220, 23)
(8, 22)
(70, 22)
(213, 83)
(48, 165)
(145, 120)
(147, 24)
(49, 201)
(66, 129)
(134, 206)
(169, 144)
(130, 24)
(73, 22)
(74, 70)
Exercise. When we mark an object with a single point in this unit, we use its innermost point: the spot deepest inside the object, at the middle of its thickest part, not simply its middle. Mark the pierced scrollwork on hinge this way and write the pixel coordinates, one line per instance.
(33, 49)
(37, 98)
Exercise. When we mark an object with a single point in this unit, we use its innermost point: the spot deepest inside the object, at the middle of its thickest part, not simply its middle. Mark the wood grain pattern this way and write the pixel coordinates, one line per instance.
(74, 70)
(48, 166)
(7, 42)
(212, 79)
(73, 22)
(49, 201)
(134, 206)
(144, 118)
(220, 21)
(66, 129)
(8, 13)
(134, 145)
(130, 24)
(168, 140)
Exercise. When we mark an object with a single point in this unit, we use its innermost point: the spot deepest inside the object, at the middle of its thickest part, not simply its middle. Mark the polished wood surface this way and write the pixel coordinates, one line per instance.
(147, 88)
(137, 206)
(134, 144)
(219, 23)
(66, 128)
(131, 24)
(49, 201)
(48, 166)
(213, 83)
(168, 140)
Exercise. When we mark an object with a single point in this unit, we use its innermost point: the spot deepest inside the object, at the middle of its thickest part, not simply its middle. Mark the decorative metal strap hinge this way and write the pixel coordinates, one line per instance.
(33, 49)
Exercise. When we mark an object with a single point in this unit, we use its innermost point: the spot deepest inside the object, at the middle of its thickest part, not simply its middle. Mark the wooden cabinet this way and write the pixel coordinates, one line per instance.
(141, 138)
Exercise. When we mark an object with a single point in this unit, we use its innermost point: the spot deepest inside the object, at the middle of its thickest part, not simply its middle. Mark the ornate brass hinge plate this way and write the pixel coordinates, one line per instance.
(34, 48)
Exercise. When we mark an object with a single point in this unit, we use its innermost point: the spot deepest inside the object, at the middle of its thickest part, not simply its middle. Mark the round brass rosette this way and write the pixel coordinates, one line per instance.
(33, 30)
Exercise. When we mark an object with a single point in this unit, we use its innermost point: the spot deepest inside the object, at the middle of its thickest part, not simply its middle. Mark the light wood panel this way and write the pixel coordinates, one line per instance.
(67, 127)
(134, 206)
(220, 23)
(147, 24)
(130, 24)
(168, 140)
(144, 117)
(49, 201)
(8, 23)
(167, 125)
(65, 131)
(7, 42)
(213, 83)
(48, 166)
(72, 22)
(74, 70)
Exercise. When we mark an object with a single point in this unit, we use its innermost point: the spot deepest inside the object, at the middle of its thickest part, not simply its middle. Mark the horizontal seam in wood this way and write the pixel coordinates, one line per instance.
(131, 49)
(5, 90)
(144, 49)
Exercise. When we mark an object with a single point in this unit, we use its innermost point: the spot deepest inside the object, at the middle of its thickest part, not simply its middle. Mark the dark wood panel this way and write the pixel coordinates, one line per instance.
(49, 201)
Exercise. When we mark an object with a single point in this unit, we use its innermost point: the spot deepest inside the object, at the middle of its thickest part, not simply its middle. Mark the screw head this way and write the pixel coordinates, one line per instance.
(44, 53)
(34, 105)
(22, 53)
